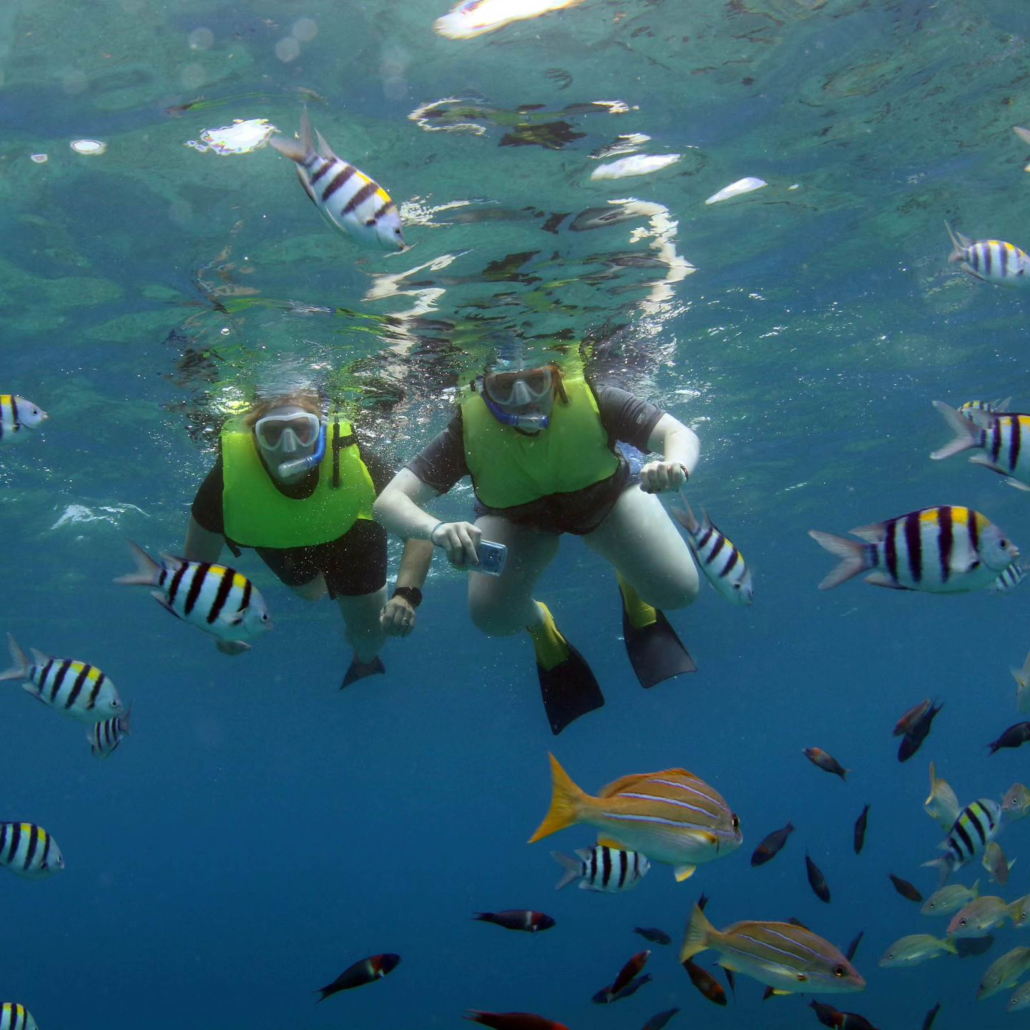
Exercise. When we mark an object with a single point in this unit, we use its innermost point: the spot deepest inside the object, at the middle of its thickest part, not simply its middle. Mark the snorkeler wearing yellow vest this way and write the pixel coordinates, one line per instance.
(540, 448)
(299, 489)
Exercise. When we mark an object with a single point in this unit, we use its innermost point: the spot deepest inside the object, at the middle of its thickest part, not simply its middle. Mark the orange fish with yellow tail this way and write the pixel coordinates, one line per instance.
(671, 816)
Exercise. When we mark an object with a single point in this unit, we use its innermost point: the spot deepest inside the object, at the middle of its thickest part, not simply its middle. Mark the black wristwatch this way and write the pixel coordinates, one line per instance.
(410, 594)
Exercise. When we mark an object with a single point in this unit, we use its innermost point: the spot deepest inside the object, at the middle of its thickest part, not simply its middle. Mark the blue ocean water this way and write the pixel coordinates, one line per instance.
(260, 831)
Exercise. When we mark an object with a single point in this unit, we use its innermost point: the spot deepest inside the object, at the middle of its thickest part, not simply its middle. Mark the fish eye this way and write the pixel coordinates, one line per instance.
(735, 821)
(839, 971)
(962, 922)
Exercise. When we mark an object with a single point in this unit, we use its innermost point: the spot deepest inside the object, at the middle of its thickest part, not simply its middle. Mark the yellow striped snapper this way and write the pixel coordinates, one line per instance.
(671, 816)
(104, 737)
(950, 899)
(347, 198)
(1022, 678)
(942, 804)
(786, 957)
(976, 825)
(1020, 998)
(14, 1016)
(604, 869)
(982, 915)
(75, 688)
(28, 850)
(916, 948)
(721, 562)
(993, 261)
(1004, 441)
(1004, 972)
(1015, 803)
(944, 549)
(17, 415)
(476, 17)
(215, 598)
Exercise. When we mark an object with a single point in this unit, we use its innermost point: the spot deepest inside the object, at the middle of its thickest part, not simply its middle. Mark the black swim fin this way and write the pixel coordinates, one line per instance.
(655, 651)
(569, 690)
(358, 670)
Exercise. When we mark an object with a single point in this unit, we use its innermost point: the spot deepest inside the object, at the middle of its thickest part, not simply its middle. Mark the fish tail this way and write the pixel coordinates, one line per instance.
(948, 944)
(853, 557)
(685, 516)
(572, 866)
(19, 670)
(967, 433)
(290, 148)
(958, 244)
(147, 570)
(567, 801)
(699, 935)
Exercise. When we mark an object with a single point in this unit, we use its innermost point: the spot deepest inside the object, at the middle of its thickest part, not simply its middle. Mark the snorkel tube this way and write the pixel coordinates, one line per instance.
(530, 423)
(292, 468)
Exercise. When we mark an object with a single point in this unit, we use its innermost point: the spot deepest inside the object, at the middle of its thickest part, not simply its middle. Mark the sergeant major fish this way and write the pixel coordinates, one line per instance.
(976, 824)
(603, 869)
(16, 416)
(29, 851)
(783, 956)
(14, 1016)
(104, 737)
(993, 261)
(671, 816)
(944, 549)
(347, 198)
(720, 561)
(214, 598)
(1002, 441)
(75, 688)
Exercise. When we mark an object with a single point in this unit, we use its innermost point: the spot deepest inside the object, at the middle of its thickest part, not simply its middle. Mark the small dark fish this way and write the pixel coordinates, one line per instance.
(606, 995)
(1014, 736)
(817, 881)
(931, 1016)
(905, 889)
(817, 756)
(513, 1021)
(794, 921)
(364, 972)
(913, 715)
(772, 845)
(653, 934)
(827, 1014)
(853, 946)
(860, 827)
(853, 1021)
(517, 919)
(659, 1020)
(920, 729)
(705, 982)
(630, 970)
(967, 946)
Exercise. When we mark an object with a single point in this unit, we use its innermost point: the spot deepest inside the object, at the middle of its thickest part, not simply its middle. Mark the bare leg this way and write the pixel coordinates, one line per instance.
(313, 590)
(640, 540)
(361, 622)
(503, 605)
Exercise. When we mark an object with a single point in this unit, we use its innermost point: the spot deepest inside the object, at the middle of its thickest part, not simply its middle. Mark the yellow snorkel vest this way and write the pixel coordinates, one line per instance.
(510, 468)
(257, 514)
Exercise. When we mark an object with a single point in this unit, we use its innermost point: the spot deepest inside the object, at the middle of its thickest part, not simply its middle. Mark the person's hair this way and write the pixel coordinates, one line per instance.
(308, 400)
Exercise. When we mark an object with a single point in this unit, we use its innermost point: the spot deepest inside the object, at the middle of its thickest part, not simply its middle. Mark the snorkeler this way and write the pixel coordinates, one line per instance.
(299, 489)
(540, 447)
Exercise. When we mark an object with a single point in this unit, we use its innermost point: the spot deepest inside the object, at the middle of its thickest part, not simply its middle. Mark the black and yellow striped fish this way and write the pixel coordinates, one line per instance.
(945, 549)
(28, 850)
(16, 1017)
(104, 737)
(17, 415)
(977, 824)
(215, 598)
(601, 868)
(993, 261)
(1003, 440)
(75, 688)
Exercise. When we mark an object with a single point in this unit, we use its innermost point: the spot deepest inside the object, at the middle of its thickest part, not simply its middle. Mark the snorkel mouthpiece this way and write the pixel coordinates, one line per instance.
(529, 423)
(292, 468)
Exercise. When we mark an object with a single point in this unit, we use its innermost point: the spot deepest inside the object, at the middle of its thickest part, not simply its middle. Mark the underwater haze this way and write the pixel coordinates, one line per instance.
(260, 830)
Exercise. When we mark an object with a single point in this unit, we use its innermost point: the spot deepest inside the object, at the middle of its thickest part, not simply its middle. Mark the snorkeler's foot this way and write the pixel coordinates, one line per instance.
(358, 670)
(567, 684)
(655, 651)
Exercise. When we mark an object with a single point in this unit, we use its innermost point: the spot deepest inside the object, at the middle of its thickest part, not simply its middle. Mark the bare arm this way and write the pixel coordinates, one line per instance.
(201, 544)
(680, 448)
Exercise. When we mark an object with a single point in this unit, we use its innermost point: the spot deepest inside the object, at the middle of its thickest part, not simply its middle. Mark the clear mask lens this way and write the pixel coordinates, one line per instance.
(270, 430)
(519, 388)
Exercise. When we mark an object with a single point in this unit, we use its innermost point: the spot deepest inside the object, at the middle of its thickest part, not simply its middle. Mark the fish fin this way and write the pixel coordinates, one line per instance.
(685, 517)
(573, 870)
(958, 242)
(683, 872)
(611, 842)
(38, 657)
(289, 148)
(1016, 484)
(881, 579)
(19, 669)
(625, 782)
(699, 937)
(158, 596)
(948, 944)
(874, 533)
(567, 803)
(852, 554)
(967, 434)
(982, 459)
(147, 570)
(324, 150)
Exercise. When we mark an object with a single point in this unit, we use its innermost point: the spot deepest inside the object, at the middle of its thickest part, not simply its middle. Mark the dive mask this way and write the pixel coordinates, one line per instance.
(284, 435)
